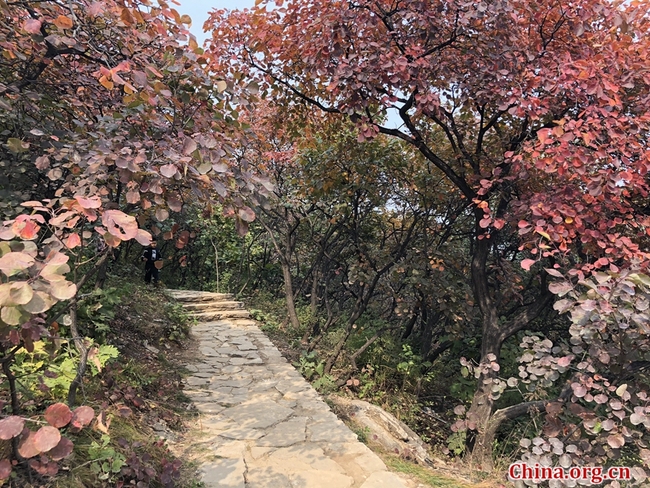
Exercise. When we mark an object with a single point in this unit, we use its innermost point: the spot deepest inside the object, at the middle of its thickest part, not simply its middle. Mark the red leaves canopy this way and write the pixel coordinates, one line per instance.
(547, 98)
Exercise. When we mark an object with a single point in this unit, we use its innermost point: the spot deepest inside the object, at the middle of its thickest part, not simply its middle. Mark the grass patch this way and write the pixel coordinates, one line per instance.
(422, 474)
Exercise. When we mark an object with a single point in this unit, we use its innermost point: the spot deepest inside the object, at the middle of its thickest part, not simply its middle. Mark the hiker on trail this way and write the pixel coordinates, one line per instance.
(153, 262)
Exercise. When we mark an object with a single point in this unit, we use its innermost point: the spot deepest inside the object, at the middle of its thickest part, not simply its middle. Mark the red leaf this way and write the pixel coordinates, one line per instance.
(120, 225)
(554, 272)
(168, 171)
(247, 214)
(27, 230)
(544, 135)
(32, 26)
(175, 205)
(26, 447)
(143, 237)
(189, 146)
(527, 263)
(58, 415)
(161, 214)
(82, 416)
(11, 427)
(73, 241)
(616, 441)
(5, 469)
(92, 202)
(63, 22)
(62, 450)
(46, 438)
(183, 239)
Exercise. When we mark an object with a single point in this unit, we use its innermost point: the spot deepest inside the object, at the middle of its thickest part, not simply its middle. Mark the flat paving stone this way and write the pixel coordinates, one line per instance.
(224, 473)
(285, 433)
(261, 424)
(320, 479)
(258, 415)
(383, 479)
(266, 477)
(330, 432)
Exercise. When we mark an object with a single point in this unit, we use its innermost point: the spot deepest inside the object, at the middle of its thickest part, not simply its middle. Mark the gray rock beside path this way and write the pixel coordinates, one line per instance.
(261, 424)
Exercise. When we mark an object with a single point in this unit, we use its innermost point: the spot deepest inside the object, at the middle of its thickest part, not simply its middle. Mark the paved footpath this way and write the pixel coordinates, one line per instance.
(262, 424)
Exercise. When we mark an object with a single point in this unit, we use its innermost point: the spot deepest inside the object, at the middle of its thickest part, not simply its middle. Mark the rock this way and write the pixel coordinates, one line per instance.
(392, 434)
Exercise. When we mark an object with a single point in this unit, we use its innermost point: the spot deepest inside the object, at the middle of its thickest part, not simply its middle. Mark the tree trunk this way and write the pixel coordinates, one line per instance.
(288, 292)
(482, 404)
(313, 299)
(337, 351)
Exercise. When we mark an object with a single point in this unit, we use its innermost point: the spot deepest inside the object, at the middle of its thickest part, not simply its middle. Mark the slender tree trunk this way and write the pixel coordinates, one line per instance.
(313, 299)
(216, 261)
(288, 293)
(329, 364)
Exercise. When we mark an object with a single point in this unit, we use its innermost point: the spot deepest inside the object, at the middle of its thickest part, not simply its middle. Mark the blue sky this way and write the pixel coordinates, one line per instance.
(198, 10)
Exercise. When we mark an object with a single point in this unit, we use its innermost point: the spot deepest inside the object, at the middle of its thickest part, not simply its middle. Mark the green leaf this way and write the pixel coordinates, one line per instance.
(11, 316)
(40, 302)
(16, 145)
(640, 278)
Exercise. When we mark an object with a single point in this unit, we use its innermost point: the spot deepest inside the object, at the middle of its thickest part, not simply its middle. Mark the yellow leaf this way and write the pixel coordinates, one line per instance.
(221, 86)
(106, 83)
(186, 19)
(543, 234)
(126, 16)
(63, 22)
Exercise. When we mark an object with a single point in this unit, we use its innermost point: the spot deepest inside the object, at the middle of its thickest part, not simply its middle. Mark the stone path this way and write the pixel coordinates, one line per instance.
(263, 425)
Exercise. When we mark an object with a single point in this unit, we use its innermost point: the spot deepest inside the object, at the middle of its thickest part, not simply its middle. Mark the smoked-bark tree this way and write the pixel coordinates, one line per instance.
(544, 107)
(109, 120)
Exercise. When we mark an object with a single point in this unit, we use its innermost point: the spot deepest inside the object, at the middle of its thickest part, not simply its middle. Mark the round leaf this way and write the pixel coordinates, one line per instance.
(21, 293)
(82, 416)
(247, 214)
(46, 438)
(62, 450)
(161, 214)
(58, 415)
(63, 290)
(26, 447)
(15, 262)
(11, 316)
(11, 427)
(40, 302)
(616, 441)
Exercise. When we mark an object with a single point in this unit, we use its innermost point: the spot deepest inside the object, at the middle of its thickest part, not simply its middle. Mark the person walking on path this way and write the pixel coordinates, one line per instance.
(153, 262)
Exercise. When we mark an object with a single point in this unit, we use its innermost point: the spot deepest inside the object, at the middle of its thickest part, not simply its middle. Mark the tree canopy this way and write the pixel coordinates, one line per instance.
(534, 113)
